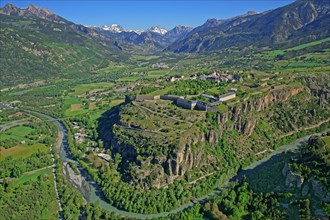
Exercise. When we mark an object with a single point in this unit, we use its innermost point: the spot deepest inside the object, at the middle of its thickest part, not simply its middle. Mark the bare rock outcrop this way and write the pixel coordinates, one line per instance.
(293, 180)
(243, 116)
(320, 191)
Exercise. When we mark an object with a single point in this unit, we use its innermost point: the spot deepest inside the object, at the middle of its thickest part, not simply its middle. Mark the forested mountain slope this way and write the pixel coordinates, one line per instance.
(39, 47)
(299, 22)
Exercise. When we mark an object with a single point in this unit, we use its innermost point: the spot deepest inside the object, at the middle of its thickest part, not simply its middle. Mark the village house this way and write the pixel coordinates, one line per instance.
(218, 77)
(75, 125)
(176, 78)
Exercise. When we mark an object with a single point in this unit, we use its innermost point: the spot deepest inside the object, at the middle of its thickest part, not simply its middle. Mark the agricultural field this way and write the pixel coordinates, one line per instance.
(129, 79)
(111, 68)
(22, 151)
(144, 58)
(18, 133)
(275, 53)
(92, 87)
(83, 98)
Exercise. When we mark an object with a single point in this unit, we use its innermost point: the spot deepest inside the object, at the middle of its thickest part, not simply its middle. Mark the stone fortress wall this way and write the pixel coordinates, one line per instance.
(180, 101)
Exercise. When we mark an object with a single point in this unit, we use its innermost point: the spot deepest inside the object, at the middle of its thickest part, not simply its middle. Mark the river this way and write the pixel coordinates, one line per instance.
(92, 192)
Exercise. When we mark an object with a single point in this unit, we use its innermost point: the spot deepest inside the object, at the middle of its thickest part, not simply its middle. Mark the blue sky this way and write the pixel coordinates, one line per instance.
(144, 14)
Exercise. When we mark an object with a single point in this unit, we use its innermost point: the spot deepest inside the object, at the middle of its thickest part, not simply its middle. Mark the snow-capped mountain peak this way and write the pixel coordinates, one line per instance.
(136, 31)
(116, 28)
(158, 30)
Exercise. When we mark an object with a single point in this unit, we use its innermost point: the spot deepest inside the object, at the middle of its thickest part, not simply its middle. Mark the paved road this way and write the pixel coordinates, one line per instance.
(12, 124)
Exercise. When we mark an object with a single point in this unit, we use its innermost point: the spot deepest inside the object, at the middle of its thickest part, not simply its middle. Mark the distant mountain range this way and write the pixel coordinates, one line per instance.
(154, 37)
(299, 22)
(296, 23)
(116, 28)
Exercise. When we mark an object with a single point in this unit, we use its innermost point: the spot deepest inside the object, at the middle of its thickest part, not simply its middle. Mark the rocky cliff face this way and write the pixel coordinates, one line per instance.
(311, 185)
(190, 152)
(185, 158)
(31, 12)
(243, 116)
(243, 119)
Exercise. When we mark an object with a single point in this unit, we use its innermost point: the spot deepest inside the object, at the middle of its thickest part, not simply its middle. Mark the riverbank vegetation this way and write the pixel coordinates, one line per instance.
(236, 201)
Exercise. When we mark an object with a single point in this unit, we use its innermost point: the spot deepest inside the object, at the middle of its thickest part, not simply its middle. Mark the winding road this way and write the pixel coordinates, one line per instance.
(92, 191)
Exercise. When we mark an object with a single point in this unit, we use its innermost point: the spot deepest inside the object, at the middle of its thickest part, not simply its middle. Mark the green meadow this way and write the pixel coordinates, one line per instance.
(22, 150)
(18, 133)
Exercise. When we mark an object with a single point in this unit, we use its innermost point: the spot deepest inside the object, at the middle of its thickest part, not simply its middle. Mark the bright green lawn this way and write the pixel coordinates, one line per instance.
(18, 133)
(71, 100)
(70, 112)
(30, 177)
(302, 46)
(305, 64)
(274, 53)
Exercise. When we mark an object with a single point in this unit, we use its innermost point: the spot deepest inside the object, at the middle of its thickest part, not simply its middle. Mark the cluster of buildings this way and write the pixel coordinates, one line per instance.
(79, 136)
(176, 78)
(222, 77)
(215, 76)
(180, 101)
(160, 66)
